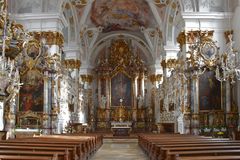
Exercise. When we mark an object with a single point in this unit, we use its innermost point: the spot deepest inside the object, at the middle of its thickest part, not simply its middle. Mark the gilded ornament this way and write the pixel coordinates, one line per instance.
(170, 63)
(181, 39)
(226, 35)
(72, 63)
(51, 37)
(195, 116)
(90, 33)
(87, 78)
(155, 78)
(45, 117)
(80, 3)
(160, 3)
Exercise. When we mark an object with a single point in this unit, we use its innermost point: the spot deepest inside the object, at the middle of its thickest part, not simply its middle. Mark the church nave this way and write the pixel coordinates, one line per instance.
(120, 149)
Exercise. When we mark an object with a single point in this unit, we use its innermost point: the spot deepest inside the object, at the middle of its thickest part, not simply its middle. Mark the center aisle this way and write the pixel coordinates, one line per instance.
(120, 149)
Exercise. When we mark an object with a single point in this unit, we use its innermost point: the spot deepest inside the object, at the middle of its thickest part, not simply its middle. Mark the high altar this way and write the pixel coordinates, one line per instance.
(120, 88)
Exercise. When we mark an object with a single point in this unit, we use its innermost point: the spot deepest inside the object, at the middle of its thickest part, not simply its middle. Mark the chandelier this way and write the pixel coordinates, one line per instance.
(228, 67)
(203, 53)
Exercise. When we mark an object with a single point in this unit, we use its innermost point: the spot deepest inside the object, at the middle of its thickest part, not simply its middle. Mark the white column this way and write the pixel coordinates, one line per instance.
(46, 104)
(108, 107)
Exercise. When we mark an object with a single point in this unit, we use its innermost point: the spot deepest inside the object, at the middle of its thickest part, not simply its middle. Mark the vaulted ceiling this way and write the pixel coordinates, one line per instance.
(147, 25)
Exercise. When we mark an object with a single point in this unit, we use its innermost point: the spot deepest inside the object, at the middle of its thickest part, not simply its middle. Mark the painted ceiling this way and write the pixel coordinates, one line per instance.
(114, 15)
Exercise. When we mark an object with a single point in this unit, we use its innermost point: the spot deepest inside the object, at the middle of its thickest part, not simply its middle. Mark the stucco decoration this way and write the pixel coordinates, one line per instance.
(188, 5)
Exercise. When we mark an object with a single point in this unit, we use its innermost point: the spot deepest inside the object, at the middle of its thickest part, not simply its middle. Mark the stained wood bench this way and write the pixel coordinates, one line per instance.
(71, 148)
(53, 155)
(210, 158)
(81, 149)
(174, 155)
(176, 146)
(30, 157)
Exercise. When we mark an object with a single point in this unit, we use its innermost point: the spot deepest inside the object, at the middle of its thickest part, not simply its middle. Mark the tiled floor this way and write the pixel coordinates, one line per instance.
(119, 149)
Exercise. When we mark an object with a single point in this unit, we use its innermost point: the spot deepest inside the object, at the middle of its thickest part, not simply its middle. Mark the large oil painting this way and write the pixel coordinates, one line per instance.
(209, 92)
(120, 89)
(121, 14)
(31, 93)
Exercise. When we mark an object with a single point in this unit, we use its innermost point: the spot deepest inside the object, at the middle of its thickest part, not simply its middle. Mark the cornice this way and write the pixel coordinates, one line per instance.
(207, 15)
(40, 16)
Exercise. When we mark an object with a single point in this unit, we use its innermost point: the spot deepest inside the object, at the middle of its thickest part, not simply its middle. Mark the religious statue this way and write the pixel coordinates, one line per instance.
(121, 112)
(140, 101)
(103, 101)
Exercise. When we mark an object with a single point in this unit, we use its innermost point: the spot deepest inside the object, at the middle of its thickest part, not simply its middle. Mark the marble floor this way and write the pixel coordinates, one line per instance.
(119, 149)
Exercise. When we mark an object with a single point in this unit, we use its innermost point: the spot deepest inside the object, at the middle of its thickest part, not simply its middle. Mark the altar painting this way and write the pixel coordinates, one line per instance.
(31, 93)
(209, 92)
(120, 89)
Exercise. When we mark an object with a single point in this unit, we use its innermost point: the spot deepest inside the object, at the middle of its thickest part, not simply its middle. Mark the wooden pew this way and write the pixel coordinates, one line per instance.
(174, 155)
(71, 148)
(51, 155)
(31, 157)
(81, 148)
(167, 147)
(210, 158)
(64, 146)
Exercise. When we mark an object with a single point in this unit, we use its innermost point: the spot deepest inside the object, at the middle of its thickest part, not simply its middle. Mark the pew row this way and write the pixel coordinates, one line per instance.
(175, 146)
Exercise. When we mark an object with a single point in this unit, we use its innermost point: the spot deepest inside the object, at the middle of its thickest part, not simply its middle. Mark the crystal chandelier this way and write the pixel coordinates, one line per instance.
(228, 67)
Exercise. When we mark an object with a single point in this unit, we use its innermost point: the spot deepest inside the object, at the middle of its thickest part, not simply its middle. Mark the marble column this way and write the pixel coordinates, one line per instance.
(2, 120)
(88, 100)
(46, 122)
(228, 102)
(99, 91)
(141, 89)
(195, 105)
(134, 101)
(108, 104)
(10, 118)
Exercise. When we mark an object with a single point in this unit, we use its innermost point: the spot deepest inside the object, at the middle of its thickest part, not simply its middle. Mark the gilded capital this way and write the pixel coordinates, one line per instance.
(51, 37)
(195, 116)
(204, 36)
(181, 39)
(72, 63)
(155, 77)
(87, 78)
(170, 63)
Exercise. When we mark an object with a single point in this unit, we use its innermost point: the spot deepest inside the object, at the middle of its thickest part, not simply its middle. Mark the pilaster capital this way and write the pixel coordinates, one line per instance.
(51, 37)
(72, 63)
(155, 77)
(87, 78)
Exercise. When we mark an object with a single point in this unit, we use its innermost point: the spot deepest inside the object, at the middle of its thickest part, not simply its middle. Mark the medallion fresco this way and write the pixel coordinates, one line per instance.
(116, 15)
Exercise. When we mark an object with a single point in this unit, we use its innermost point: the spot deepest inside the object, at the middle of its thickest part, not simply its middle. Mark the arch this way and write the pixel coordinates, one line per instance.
(183, 7)
(102, 42)
(74, 22)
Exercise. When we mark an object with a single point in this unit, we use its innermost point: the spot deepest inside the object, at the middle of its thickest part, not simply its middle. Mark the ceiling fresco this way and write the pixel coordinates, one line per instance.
(116, 15)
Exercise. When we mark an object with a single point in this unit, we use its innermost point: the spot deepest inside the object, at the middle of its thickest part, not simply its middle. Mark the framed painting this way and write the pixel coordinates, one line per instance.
(121, 89)
(31, 93)
(209, 92)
